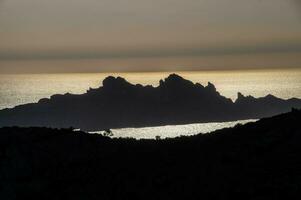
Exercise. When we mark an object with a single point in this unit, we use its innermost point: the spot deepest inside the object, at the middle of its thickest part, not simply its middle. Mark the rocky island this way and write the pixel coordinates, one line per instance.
(120, 104)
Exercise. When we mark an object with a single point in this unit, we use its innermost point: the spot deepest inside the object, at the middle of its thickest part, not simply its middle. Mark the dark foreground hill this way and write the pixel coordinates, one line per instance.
(260, 160)
(119, 104)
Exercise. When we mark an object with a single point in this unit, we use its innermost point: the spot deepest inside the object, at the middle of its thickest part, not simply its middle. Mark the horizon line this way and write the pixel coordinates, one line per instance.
(160, 71)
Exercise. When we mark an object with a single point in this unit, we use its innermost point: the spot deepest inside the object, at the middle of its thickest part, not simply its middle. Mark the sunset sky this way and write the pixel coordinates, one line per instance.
(139, 35)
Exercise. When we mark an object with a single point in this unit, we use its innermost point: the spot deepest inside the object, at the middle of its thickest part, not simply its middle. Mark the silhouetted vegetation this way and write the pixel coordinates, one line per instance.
(119, 104)
(260, 160)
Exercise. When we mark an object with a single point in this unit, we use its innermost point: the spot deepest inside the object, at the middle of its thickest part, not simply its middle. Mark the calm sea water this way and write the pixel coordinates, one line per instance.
(21, 89)
(171, 131)
(28, 88)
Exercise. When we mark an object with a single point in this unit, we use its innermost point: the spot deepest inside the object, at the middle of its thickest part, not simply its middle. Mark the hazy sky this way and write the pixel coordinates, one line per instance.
(140, 35)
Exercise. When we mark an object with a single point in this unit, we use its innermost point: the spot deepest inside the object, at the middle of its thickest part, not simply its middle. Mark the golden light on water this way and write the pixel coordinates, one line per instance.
(27, 88)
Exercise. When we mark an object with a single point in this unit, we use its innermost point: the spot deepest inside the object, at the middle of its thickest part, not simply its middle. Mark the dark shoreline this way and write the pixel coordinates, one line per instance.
(260, 160)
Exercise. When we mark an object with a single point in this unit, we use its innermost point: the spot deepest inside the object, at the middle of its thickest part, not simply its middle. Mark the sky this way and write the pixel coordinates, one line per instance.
(137, 35)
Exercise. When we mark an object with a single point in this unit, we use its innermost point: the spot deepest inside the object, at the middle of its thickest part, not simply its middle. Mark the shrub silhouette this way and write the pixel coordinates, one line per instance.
(258, 160)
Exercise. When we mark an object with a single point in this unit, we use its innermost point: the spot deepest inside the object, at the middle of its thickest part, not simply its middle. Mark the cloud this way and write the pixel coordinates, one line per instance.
(151, 53)
(297, 3)
(1, 3)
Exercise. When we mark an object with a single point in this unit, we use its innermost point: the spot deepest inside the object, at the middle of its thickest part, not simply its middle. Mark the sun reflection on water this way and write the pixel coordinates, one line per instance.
(28, 88)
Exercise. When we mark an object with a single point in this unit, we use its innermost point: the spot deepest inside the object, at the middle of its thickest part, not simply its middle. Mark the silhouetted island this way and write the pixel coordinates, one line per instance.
(119, 104)
(260, 160)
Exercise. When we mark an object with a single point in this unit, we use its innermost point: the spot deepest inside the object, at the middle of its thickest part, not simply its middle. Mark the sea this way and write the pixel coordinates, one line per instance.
(172, 131)
(17, 89)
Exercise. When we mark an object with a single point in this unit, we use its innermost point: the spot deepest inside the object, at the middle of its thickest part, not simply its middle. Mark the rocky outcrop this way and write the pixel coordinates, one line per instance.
(119, 103)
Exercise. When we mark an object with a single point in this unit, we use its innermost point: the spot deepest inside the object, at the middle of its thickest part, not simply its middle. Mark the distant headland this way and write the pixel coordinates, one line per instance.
(119, 104)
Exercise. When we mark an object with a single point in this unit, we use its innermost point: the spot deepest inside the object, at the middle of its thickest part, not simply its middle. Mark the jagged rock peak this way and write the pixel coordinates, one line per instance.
(211, 87)
(270, 96)
(175, 80)
(243, 98)
(174, 77)
(114, 82)
(240, 95)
